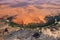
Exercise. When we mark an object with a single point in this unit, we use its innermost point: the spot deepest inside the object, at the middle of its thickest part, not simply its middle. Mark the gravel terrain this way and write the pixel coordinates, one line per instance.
(28, 35)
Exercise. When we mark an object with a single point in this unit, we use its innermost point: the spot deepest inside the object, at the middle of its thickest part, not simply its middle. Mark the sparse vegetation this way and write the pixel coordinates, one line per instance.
(14, 24)
(32, 25)
(50, 21)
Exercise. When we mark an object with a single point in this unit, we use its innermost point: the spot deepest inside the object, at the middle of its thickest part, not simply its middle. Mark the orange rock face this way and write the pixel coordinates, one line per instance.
(25, 15)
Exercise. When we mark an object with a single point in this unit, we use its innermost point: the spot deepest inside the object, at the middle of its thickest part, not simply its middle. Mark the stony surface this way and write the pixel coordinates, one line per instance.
(27, 35)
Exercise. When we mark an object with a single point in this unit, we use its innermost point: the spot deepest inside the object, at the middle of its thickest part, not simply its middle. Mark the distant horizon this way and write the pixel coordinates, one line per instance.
(16, 2)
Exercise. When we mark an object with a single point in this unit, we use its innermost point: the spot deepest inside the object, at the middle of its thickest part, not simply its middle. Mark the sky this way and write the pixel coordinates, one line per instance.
(22, 3)
(10, 2)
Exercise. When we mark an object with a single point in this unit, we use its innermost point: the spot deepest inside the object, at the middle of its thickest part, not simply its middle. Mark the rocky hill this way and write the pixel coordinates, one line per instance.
(29, 11)
(24, 12)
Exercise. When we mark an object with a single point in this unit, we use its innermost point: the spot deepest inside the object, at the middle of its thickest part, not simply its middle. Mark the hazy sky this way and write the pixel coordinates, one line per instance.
(29, 1)
(18, 3)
